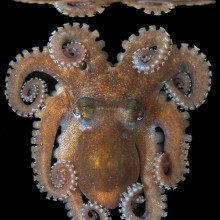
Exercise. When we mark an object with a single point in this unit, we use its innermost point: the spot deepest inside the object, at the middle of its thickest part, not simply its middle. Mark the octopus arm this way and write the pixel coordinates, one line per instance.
(156, 174)
(25, 94)
(147, 52)
(187, 80)
(170, 158)
(157, 7)
(147, 149)
(59, 180)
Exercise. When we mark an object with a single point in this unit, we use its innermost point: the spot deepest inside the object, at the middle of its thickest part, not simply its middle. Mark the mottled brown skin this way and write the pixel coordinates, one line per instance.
(82, 8)
(109, 118)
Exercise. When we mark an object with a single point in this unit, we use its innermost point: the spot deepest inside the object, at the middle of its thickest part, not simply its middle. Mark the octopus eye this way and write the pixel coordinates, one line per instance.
(133, 112)
(84, 109)
(140, 115)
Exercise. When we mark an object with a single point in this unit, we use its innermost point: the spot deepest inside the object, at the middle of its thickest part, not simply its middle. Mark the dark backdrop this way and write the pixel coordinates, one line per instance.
(24, 26)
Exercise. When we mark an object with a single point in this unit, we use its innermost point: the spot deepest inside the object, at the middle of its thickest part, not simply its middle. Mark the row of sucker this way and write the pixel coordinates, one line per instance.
(156, 51)
(130, 199)
(66, 50)
(63, 178)
(92, 210)
(79, 8)
(31, 89)
(25, 97)
(161, 168)
(63, 173)
(83, 8)
(190, 79)
(152, 7)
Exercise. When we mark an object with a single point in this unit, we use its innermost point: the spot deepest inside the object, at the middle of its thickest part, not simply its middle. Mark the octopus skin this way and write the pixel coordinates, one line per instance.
(83, 8)
(122, 140)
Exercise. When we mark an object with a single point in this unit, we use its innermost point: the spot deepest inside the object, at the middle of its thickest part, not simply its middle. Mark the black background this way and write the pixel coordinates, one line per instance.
(24, 26)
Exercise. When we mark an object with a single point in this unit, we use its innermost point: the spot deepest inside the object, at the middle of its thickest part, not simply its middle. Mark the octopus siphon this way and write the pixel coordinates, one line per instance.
(83, 8)
(122, 139)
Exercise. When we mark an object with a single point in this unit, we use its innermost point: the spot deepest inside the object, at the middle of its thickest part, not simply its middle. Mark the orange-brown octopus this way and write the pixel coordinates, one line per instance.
(82, 8)
(122, 140)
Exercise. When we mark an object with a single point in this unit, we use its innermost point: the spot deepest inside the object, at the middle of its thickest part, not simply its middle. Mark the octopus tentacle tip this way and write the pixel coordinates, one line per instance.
(94, 209)
(80, 8)
(65, 48)
(155, 51)
(161, 167)
(129, 200)
(59, 178)
(30, 90)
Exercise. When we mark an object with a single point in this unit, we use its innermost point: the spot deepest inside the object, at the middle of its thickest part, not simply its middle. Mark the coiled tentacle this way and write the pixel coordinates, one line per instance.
(69, 46)
(132, 197)
(79, 8)
(25, 95)
(66, 51)
(189, 79)
(32, 89)
(129, 200)
(147, 52)
(63, 174)
(94, 211)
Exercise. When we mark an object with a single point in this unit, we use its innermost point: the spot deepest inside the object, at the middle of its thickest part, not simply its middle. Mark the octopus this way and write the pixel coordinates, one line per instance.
(83, 8)
(109, 136)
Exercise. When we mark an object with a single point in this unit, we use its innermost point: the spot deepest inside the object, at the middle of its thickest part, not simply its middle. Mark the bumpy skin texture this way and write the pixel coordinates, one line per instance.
(82, 8)
(119, 124)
